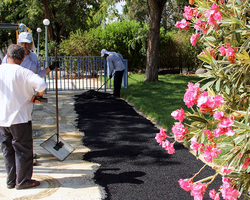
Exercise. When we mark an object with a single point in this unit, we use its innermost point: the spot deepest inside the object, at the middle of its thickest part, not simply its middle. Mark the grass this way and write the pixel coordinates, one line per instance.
(157, 100)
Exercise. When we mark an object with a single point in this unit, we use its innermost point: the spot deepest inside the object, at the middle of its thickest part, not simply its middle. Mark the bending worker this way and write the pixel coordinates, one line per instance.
(115, 63)
(18, 87)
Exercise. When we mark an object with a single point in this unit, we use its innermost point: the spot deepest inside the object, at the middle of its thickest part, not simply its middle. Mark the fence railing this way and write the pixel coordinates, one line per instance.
(80, 73)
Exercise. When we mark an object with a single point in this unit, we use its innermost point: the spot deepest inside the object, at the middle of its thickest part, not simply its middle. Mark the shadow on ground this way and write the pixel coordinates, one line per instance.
(133, 165)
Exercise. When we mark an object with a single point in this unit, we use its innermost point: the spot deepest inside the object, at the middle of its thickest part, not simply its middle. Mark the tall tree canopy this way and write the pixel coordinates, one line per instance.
(65, 16)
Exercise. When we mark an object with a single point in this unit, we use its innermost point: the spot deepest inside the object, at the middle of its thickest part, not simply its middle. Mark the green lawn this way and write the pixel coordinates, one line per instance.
(158, 100)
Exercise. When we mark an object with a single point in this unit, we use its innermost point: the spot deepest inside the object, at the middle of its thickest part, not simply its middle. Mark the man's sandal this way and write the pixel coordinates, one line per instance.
(10, 186)
(33, 183)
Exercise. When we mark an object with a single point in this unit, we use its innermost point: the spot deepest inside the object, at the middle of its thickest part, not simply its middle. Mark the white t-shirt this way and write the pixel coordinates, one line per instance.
(30, 62)
(115, 63)
(18, 85)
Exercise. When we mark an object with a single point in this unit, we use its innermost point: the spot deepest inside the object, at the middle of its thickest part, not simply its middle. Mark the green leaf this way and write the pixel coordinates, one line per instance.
(204, 58)
(196, 118)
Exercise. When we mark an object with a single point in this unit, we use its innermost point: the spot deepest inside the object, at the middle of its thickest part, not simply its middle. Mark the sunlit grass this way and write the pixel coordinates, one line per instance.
(157, 100)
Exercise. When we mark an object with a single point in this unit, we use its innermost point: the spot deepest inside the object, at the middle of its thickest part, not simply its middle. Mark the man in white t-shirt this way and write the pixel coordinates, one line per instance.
(116, 66)
(30, 60)
(19, 86)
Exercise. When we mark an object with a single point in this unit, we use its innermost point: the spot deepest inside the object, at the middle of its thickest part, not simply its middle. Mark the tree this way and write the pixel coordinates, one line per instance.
(156, 7)
(65, 16)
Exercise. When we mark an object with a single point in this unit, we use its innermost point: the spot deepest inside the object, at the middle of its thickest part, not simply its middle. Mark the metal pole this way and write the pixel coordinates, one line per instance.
(46, 45)
(38, 38)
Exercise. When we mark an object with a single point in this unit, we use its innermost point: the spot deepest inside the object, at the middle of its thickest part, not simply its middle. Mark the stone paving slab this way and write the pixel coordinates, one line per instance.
(68, 179)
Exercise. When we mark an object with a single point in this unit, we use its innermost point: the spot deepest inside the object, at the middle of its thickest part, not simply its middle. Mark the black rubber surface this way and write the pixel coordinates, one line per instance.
(133, 165)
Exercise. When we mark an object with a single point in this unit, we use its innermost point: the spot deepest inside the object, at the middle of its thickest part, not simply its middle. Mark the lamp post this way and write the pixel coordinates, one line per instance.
(46, 22)
(39, 30)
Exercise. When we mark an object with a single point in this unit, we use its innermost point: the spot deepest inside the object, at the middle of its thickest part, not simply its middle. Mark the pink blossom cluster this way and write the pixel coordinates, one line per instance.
(183, 24)
(178, 114)
(168, 146)
(214, 195)
(189, 12)
(207, 103)
(209, 153)
(196, 190)
(213, 15)
(224, 127)
(192, 94)
(227, 191)
(224, 170)
(204, 101)
(201, 25)
(160, 137)
(179, 131)
(228, 50)
(196, 146)
(194, 38)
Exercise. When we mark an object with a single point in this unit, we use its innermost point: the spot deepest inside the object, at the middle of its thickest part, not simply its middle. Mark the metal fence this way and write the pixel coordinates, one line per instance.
(80, 73)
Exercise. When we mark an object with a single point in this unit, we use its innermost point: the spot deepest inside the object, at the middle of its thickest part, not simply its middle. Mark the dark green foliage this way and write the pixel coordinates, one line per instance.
(176, 51)
(130, 39)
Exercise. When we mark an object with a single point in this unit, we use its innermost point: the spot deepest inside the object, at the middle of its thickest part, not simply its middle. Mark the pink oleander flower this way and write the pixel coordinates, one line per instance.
(223, 131)
(226, 123)
(201, 25)
(183, 24)
(211, 153)
(228, 192)
(213, 15)
(214, 195)
(198, 190)
(222, 50)
(178, 114)
(160, 136)
(246, 163)
(185, 184)
(179, 131)
(206, 103)
(218, 99)
(224, 127)
(189, 12)
(195, 145)
(192, 94)
(194, 38)
(224, 170)
(169, 147)
(209, 134)
(218, 115)
(230, 52)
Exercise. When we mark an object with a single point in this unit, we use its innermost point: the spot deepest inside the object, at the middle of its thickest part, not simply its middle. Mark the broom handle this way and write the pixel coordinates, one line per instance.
(57, 120)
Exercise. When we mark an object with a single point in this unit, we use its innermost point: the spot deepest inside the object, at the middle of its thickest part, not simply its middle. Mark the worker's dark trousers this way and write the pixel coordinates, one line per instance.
(17, 147)
(118, 82)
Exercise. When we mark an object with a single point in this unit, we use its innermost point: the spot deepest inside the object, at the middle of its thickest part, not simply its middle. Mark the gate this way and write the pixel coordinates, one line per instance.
(80, 73)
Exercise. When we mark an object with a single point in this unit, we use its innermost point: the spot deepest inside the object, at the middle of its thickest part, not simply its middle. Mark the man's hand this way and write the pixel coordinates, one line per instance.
(54, 65)
(39, 99)
(110, 76)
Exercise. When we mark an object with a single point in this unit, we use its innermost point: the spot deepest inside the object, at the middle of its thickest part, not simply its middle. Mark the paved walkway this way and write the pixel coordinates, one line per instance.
(70, 179)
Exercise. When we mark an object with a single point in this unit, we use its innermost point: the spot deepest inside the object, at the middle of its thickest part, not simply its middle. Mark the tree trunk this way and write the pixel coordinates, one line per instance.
(47, 16)
(156, 7)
